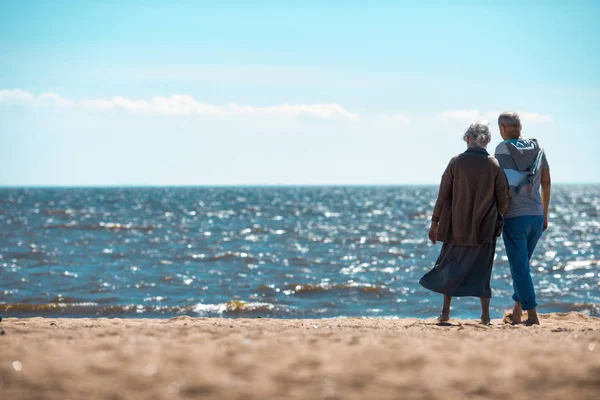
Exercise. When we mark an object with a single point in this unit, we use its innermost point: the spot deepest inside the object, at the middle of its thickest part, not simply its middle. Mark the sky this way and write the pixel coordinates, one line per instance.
(113, 93)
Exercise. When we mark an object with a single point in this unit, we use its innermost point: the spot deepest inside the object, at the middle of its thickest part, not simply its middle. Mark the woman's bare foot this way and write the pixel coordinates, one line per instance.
(532, 318)
(444, 316)
(485, 310)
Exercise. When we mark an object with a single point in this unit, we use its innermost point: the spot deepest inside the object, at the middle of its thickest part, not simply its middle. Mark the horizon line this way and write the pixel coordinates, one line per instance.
(238, 185)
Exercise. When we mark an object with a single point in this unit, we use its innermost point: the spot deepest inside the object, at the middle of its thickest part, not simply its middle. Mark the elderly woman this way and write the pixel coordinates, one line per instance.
(467, 218)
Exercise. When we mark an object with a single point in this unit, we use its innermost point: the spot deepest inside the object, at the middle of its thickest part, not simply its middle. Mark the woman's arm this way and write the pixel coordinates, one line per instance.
(502, 191)
(444, 194)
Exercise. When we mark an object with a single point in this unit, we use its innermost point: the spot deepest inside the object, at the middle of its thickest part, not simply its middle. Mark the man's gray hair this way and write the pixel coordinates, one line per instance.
(510, 119)
(479, 132)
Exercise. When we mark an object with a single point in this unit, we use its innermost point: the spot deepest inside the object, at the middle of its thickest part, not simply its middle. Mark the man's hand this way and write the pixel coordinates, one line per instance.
(433, 232)
(546, 185)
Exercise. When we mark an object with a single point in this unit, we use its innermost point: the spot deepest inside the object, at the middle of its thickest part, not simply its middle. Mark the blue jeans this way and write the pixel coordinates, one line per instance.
(520, 235)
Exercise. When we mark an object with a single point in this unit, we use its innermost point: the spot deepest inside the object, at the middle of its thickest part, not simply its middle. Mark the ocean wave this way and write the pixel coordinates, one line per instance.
(325, 287)
(226, 255)
(112, 226)
(236, 308)
(582, 264)
(59, 212)
(591, 309)
(84, 309)
(26, 307)
(22, 255)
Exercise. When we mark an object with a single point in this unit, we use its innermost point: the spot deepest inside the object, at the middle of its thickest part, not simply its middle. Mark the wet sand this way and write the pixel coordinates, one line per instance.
(44, 358)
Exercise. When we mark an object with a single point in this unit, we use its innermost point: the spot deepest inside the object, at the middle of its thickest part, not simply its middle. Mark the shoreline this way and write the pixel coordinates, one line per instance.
(337, 358)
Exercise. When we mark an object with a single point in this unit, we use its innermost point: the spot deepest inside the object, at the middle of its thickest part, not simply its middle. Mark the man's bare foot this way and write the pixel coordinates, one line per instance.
(517, 314)
(532, 318)
(486, 320)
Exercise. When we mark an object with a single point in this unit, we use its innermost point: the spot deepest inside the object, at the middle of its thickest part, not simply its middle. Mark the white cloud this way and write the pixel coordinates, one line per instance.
(15, 96)
(171, 106)
(23, 97)
(474, 115)
(52, 99)
(180, 105)
(175, 105)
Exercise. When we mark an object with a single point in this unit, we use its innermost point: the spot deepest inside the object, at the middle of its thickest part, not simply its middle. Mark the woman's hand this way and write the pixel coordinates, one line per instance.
(433, 232)
(545, 222)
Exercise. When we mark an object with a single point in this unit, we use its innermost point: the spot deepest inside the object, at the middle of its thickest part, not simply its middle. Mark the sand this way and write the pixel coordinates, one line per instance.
(350, 358)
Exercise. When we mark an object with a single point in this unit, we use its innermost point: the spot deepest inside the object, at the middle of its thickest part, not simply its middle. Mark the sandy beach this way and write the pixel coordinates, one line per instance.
(350, 358)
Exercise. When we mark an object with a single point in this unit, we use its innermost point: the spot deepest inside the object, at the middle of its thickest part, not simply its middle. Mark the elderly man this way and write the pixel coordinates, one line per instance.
(526, 168)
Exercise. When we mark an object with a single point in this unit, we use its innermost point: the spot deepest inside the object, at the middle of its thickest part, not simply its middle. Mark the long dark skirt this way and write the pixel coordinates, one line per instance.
(462, 271)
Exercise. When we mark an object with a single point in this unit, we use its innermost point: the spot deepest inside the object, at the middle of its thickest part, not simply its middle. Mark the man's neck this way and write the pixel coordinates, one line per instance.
(513, 137)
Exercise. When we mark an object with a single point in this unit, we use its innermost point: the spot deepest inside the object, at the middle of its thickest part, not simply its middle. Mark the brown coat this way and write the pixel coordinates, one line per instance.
(473, 194)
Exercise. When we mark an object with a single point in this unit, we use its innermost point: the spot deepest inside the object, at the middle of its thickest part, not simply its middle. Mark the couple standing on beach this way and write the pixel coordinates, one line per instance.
(480, 198)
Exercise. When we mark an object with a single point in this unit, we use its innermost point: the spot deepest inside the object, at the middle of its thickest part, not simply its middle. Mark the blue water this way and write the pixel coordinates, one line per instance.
(289, 252)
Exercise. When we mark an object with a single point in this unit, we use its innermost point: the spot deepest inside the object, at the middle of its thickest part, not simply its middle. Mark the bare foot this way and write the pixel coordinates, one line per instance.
(485, 310)
(444, 316)
(517, 314)
(509, 319)
(532, 318)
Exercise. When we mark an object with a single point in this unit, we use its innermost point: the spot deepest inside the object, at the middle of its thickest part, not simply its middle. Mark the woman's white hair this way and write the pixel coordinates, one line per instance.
(480, 134)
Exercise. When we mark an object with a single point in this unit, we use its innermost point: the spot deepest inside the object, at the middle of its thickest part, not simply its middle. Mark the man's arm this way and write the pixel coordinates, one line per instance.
(546, 184)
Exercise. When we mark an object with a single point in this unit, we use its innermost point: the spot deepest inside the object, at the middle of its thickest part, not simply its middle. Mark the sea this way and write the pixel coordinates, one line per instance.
(264, 252)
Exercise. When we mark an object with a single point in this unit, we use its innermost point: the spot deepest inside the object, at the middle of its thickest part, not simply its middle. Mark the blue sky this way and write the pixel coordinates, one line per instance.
(205, 93)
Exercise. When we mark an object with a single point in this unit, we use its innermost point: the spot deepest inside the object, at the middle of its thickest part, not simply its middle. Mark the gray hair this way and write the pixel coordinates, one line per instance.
(479, 132)
(510, 119)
